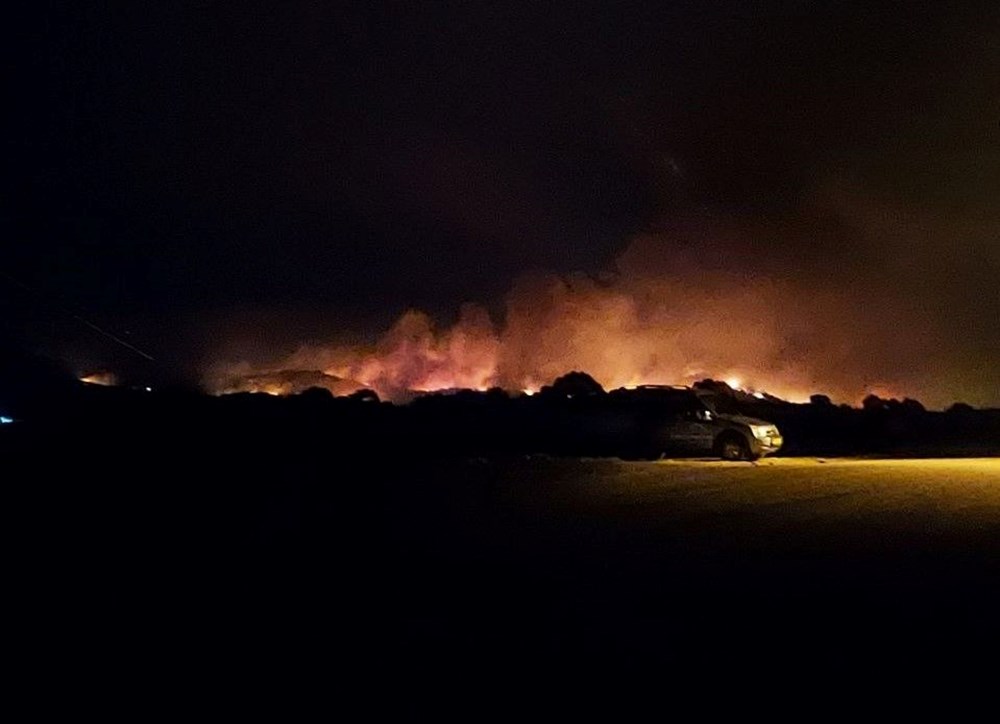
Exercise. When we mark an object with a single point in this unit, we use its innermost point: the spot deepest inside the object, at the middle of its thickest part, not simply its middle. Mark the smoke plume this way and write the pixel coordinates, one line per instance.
(791, 307)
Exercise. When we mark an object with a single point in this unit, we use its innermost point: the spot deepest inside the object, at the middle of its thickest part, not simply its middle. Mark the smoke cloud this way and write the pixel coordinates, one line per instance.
(850, 298)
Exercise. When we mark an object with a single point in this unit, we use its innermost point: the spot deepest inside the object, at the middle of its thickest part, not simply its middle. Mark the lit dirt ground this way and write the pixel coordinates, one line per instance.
(834, 560)
(806, 497)
(945, 494)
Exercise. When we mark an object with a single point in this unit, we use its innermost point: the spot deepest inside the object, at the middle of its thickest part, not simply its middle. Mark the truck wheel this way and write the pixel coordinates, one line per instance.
(733, 447)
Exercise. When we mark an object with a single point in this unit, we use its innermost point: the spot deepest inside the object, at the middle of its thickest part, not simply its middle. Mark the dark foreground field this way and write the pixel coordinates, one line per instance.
(710, 565)
(208, 555)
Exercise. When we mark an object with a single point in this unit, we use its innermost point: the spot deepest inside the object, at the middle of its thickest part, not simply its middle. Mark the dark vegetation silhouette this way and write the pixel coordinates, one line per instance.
(572, 416)
(572, 384)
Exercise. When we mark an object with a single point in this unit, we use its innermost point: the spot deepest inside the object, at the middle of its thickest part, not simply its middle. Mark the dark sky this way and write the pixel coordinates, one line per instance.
(324, 165)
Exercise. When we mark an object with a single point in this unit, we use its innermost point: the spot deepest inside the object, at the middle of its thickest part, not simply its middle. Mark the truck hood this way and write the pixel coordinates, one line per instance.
(743, 420)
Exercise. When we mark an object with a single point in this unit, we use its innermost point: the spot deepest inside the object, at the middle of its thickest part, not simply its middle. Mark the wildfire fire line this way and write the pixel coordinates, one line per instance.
(415, 357)
(657, 330)
(710, 301)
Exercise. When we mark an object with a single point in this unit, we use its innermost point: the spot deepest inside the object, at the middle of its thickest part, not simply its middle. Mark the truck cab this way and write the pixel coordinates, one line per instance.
(689, 422)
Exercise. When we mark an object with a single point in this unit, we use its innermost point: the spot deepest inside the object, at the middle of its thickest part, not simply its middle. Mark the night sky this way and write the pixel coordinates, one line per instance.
(219, 179)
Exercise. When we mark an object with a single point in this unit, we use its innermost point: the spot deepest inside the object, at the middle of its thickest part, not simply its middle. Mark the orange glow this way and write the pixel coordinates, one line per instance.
(660, 319)
(416, 356)
(104, 379)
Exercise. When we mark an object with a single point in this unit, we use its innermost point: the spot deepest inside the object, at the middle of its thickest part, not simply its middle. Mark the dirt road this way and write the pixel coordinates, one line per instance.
(707, 560)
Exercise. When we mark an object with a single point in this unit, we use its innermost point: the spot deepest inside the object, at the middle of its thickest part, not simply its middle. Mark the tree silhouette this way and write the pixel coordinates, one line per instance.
(574, 384)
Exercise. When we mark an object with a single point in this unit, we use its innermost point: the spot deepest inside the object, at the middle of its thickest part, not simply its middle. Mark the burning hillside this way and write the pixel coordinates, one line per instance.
(708, 301)
(553, 325)
(284, 382)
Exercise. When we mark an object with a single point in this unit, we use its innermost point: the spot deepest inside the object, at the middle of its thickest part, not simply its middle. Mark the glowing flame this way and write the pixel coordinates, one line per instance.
(582, 328)
(660, 319)
(104, 379)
